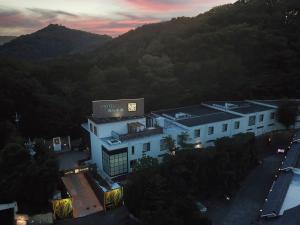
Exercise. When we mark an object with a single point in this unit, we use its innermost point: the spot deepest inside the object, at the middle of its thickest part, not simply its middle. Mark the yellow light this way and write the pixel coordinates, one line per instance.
(21, 219)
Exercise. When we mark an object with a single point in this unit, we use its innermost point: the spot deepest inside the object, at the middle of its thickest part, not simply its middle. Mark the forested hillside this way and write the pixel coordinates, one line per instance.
(249, 49)
(5, 39)
(50, 42)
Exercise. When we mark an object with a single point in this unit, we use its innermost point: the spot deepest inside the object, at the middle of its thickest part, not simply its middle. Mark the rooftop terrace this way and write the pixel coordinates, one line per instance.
(243, 107)
(195, 115)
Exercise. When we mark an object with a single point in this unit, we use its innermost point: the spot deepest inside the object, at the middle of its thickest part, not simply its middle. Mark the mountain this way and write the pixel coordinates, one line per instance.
(245, 50)
(50, 42)
(5, 39)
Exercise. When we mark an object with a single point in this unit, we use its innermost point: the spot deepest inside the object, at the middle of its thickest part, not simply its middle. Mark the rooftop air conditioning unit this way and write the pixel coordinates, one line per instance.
(181, 115)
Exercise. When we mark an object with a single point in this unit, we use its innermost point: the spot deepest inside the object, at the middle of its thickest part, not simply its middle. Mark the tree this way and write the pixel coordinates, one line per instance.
(182, 139)
(146, 162)
(287, 113)
(170, 143)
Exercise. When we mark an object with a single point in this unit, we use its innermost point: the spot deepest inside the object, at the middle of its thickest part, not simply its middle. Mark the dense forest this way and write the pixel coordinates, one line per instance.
(172, 189)
(249, 49)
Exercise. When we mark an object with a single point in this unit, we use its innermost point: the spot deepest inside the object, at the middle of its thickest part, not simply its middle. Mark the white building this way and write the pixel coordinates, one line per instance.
(120, 133)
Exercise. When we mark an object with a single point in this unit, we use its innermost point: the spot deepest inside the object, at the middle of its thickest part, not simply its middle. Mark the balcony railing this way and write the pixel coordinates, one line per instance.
(146, 132)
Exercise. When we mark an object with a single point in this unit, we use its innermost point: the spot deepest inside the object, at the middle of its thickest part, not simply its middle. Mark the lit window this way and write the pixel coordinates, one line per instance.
(251, 121)
(224, 127)
(210, 130)
(236, 124)
(196, 133)
(146, 147)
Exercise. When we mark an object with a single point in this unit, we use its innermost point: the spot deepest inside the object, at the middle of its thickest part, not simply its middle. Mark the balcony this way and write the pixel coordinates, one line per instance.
(144, 133)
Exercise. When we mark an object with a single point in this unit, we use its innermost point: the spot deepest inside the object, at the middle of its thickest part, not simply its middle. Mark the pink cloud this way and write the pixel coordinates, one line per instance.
(20, 22)
(163, 5)
(16, 22)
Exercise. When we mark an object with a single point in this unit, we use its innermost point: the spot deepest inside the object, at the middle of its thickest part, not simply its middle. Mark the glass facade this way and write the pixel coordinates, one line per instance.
(115, 162)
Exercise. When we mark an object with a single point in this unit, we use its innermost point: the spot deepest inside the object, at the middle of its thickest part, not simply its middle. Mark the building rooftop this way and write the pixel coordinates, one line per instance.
(289, 217)
(277, 102)
(292, 157)
(98, 120)
(292, 198)
(195, 115)
(277, 195)
(243, 107)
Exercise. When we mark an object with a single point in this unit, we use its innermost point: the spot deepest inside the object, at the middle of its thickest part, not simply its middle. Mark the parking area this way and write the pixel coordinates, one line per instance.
(68, 160)
(244, 208)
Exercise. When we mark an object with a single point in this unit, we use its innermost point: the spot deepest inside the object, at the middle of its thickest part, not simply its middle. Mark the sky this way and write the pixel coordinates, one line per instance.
(112, 17)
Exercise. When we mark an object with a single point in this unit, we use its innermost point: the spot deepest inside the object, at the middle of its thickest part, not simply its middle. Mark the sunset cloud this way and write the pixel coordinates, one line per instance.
(112, 17)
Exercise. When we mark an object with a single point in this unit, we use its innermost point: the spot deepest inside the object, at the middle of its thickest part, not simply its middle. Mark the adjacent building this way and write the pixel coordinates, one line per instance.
(120, 132)
(282, 204)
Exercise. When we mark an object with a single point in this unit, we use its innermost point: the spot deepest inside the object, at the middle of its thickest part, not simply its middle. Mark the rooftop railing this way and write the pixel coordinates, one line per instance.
(146, 132)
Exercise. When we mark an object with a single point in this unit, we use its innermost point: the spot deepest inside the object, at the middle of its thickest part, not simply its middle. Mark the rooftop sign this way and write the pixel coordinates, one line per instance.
(118, 108)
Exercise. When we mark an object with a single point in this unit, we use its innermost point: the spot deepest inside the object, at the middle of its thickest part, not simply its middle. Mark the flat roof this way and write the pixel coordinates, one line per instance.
(292, 198)
(292, 157)
(243, 107)
(277, 102)
(277, 195)
(289, 217)
(197, 115)
(98, 120)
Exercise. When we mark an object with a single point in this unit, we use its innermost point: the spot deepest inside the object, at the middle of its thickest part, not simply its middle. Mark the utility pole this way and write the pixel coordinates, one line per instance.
(17, 120)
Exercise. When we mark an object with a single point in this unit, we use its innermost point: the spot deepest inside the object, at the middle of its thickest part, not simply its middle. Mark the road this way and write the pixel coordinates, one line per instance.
(244, 208)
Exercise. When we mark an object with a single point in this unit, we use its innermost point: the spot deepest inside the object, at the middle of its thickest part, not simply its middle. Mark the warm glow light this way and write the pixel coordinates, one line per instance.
(21, 219)
(198, 146)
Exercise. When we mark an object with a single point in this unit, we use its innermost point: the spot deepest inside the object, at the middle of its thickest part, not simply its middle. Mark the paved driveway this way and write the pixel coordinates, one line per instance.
(244, 208)
(84, 199)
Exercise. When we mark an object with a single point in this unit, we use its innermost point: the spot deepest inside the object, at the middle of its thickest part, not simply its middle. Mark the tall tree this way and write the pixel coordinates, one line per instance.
(287, 113)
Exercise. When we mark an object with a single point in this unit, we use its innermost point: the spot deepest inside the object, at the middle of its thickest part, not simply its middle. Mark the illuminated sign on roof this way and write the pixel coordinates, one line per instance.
(118, 108)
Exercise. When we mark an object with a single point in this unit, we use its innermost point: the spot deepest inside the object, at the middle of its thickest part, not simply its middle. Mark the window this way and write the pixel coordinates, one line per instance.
(196, 133)
(251, 121)
(132, 150)
(210, 130)
(224, 127)
(146, 147)
(261, 118)
(272, 116)
(133, 163)
(237, 125)
(91, 127)
(95, 130)
(163, 145)
(115, 162)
